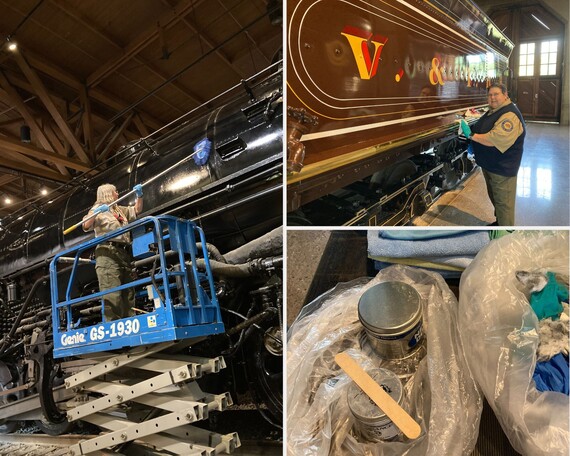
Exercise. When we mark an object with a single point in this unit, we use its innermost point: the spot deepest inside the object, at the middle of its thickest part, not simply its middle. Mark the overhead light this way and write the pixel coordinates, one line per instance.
(8, 200)
(12, 47)
(540, 22)
(43, 191)
(25, 135)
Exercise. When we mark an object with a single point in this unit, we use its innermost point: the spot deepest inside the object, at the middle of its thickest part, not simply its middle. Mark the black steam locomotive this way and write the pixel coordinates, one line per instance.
(234, 193)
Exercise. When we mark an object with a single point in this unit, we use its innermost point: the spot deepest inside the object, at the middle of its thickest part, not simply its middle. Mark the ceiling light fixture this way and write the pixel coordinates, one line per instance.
(11, 45)
(540, 22)
(8, 200)
(43, 191)
(25, 134)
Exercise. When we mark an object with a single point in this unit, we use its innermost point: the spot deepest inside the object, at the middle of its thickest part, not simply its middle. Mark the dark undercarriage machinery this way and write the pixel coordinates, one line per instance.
(198, 363)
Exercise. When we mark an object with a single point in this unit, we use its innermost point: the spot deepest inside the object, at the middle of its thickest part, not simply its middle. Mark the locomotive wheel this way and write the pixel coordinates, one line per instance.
(6, 382)
(49, 428)
(266, 367)
(396, 174)
(54, 421)
(7, 427)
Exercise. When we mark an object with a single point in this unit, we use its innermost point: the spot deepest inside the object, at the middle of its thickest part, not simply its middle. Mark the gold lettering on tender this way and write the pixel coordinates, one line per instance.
(358, 41)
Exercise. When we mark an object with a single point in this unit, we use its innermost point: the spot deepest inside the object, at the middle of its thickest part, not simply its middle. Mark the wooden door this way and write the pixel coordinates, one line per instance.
(538, 34)
(538, 75)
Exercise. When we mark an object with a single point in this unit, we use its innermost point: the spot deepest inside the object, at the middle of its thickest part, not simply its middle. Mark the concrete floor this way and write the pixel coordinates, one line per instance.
(466, 205)
(304, 251)
(542, 187)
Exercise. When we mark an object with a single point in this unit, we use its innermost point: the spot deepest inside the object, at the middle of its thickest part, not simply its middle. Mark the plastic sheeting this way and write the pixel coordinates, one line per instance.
(441, 394)
(499, 331)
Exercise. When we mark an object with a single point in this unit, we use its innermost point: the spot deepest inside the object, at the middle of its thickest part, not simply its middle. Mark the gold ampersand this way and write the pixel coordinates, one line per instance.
(434, 73)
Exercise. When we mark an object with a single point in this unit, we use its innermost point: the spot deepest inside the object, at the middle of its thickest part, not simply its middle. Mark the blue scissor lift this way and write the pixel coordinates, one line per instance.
(185, 300)
(180, 303)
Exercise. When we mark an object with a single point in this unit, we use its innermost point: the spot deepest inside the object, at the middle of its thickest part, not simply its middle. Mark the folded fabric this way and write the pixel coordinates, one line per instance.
(457, 263)
(546, 303)
(552, 375)
(445, 273)
(418, 234)
(464, 244)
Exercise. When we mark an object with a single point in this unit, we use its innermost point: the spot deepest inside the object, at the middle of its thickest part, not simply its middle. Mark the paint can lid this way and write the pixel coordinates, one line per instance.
(390, 308)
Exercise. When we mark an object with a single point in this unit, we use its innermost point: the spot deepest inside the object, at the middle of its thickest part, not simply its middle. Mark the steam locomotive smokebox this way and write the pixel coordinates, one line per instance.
(391, 313)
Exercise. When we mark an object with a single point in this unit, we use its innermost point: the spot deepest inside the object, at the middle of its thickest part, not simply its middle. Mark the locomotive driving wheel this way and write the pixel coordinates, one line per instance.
(7, 383)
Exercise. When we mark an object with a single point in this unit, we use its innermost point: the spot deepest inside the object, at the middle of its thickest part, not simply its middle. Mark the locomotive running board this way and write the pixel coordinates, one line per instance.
(170, 392)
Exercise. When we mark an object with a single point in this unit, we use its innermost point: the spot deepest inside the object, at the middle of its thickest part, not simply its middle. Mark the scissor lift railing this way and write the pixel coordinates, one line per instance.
(185, 300)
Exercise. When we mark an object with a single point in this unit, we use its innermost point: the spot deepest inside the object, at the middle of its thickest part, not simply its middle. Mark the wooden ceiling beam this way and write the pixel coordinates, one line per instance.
(166, 20)
(6, 179)
(71, 11)
(118, 132)
(8, 123)
(87, 123)
(40, 25)
(52, 135)
(109, 100)
(14, 144)
(25, 85)
(42, 92)
(50, 132)
(12, 168)
(246, 33)
(202, 36)
(22, 159)
(140, 125)
(31, 121)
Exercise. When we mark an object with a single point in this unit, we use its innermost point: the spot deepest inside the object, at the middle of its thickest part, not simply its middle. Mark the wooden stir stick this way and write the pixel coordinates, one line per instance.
(389, 406)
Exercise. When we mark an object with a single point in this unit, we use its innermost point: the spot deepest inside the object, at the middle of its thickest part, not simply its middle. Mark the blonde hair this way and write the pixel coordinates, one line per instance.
(105, 194)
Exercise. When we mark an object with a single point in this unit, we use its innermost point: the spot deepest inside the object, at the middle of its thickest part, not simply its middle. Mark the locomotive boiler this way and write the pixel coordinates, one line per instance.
(374, 89)
(231, 191)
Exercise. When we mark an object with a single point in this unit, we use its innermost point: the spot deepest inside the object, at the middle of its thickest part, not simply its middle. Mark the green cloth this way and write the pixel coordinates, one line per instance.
(496, 234)
(546, 303)
(466, 129)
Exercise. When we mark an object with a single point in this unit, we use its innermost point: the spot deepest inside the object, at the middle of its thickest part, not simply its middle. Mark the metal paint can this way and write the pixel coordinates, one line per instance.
(370, 422)
(391, 313)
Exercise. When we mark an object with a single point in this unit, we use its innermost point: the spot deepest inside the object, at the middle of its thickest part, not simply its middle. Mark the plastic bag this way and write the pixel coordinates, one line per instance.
(499, 332)
(441, 394)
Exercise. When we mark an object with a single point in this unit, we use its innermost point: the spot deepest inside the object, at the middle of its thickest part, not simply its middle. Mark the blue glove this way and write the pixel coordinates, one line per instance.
(465, 129)
(138, 190)
(102, 208)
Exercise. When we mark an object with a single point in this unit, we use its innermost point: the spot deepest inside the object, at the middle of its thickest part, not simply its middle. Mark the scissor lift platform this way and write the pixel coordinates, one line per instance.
(185, 303)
